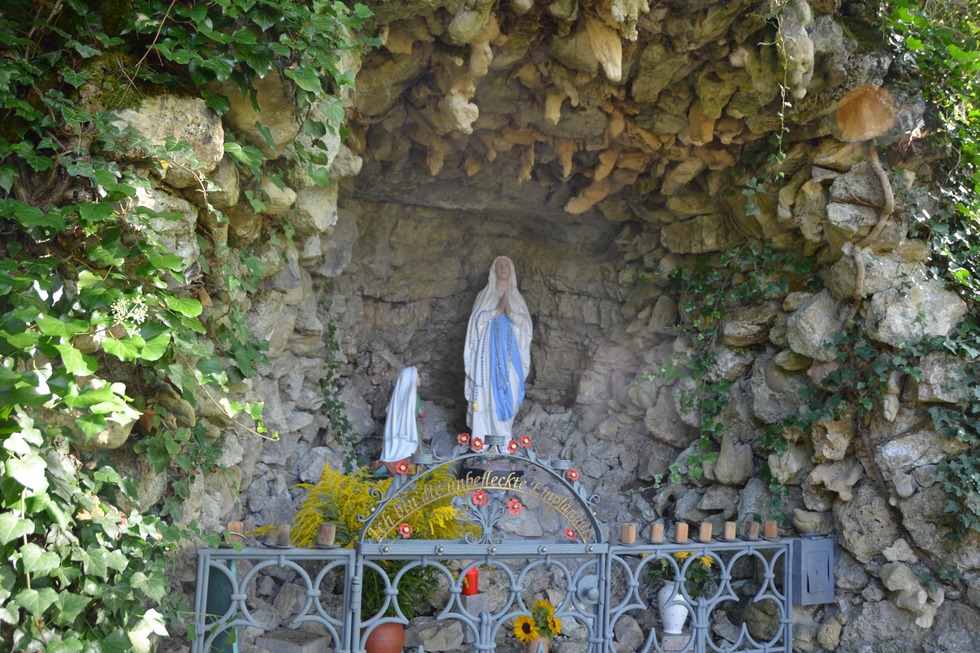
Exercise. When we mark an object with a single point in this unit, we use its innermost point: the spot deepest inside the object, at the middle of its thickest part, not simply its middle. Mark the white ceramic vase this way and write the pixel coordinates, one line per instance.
(673, 616)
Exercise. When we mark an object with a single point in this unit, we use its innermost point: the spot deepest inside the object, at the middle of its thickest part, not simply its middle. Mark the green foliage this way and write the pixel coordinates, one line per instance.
(711, 289)
(939, 44)
(100, 326)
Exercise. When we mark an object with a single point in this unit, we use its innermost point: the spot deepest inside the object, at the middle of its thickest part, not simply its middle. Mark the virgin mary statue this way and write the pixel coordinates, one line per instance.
(497, 353)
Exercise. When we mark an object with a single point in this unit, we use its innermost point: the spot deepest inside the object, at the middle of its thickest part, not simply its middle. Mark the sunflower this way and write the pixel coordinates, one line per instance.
(554, 625)
(525, 630)
(544, 606)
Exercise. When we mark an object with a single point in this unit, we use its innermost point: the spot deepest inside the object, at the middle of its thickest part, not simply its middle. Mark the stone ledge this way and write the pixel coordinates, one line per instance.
(292, 641)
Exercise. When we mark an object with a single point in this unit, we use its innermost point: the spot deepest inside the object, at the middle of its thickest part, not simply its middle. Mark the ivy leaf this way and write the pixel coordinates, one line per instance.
(125, 349)
(38, 562)
(28, 216)
(153, 586)
(186, 306)
(151, 624)
(305, 78)
(36, 601)
(93, 561)
(73, 645)
(216, 102)
(117, 642)
(51, 326)
(69, 607)
(13, 527)
(75, 361)
(117, 560)
(248, 155)
(155, 348)
(29, 472)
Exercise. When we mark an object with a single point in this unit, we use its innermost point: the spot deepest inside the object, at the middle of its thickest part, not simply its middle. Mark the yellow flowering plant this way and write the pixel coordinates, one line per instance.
(698, 579)
(542, 622)
(343, 499)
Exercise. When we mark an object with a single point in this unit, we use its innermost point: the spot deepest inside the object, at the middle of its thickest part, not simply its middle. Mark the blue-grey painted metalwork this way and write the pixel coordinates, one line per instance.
(600, 584)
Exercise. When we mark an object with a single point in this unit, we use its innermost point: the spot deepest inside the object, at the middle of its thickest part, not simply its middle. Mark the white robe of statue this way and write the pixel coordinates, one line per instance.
(401, 430)
(486, 413)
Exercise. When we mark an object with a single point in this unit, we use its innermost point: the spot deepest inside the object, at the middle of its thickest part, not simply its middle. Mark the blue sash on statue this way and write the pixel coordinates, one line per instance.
(504, 349)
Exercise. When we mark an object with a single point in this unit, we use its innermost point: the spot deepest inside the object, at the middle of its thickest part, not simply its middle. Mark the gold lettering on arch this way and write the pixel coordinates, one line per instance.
(402, 509)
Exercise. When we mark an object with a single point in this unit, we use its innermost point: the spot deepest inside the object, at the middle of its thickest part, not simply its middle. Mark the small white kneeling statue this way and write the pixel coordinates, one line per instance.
(401, 429)
(497, 353)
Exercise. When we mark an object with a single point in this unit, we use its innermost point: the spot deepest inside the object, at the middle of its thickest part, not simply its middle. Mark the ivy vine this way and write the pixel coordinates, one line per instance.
(102, 329)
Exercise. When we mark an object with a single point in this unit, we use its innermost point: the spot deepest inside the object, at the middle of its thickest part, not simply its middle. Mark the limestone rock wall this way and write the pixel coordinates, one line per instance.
(601, 145)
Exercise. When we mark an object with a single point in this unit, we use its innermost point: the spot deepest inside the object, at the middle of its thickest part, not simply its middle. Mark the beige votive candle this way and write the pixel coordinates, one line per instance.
(752, 532)
(657, 533)
(705, 533)
(236, 528)
(730, 530)
(680, 533)
(627, 533)
(282, 539)
(770, 530)
(326, 535)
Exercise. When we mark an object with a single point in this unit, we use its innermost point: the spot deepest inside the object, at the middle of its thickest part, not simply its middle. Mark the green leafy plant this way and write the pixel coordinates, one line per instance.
(103, 331)
(693, 570)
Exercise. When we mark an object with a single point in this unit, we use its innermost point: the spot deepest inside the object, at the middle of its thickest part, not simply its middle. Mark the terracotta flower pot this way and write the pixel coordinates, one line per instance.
(386, 638)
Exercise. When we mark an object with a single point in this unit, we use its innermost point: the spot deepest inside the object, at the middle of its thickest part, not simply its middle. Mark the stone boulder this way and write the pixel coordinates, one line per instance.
(186, 120)
(811, 329)
(912, 311)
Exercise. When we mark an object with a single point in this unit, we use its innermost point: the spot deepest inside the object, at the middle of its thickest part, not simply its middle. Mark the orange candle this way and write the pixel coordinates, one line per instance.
(680, 533)
(705, 533)
(326, 534)
(729, 530)
(770, 530)
(627, 533)
(656, 533)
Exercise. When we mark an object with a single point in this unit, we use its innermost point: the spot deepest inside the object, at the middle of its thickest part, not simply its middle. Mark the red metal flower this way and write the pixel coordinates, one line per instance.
(526, 441)
(402, 468)
(572, 475)
(512, 446)
(463, 439)
(477, 444)
(479, 497)
(405, 530)
(515, 506)
(570, 534)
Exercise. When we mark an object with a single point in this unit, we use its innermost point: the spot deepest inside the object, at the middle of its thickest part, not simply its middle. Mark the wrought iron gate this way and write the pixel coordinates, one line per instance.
(596, 585)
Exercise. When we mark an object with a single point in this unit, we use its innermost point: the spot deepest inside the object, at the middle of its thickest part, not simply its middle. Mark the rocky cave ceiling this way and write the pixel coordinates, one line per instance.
(584, 139)
(635, 110)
